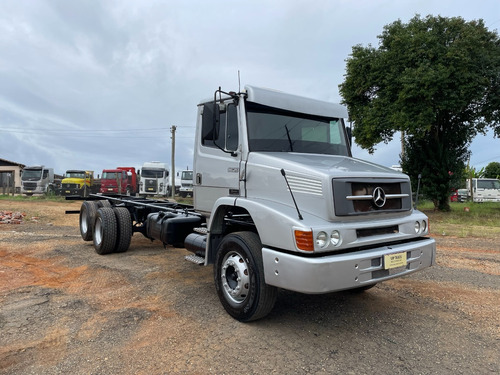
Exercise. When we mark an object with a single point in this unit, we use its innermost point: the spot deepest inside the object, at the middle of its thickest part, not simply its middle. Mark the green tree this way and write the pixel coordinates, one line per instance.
(492, 170)
(437, 80)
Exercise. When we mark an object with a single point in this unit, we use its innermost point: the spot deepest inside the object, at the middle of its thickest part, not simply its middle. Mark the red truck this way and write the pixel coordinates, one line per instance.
(122, 180)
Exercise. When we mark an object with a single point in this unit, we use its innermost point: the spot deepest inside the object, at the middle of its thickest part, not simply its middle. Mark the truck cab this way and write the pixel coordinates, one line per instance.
(37, 180)
(186, 183)
(484, 189)
(279, 167)
(154, 179)
(78, 182)
(122, 180)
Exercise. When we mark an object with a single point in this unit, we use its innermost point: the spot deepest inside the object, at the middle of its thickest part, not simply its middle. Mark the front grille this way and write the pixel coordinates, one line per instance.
(70, 186)
(151, 186)
(30, 185)
(359, 196)
(368, 232)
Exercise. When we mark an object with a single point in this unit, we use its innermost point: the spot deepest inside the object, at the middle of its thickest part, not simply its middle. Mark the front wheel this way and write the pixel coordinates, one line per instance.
(239, 277)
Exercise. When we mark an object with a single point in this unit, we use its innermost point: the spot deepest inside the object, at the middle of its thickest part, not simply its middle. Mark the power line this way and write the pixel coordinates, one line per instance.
(63, 131)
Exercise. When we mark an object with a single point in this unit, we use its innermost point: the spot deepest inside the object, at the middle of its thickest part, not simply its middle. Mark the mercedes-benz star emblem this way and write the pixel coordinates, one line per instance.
(378, 197)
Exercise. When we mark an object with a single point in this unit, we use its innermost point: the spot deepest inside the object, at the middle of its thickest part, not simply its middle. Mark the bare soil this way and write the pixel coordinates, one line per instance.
(65, 309)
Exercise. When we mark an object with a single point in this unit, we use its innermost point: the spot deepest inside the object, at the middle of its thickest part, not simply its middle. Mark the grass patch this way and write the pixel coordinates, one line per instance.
(25, 198)
(465, 219)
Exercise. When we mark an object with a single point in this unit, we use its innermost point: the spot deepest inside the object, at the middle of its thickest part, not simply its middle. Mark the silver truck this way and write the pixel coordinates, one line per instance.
(37, 179)
(279, 202)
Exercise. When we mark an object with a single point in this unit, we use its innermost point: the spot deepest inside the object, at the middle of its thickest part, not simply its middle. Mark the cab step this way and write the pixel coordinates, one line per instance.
(195, 259)
(201, 230)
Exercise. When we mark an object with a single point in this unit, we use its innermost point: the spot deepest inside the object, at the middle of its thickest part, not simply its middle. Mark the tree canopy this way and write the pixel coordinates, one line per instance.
(492, 170)
(437, 80)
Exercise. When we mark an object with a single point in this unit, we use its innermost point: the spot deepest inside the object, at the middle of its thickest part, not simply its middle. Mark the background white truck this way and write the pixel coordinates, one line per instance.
(154, 179)
(186, 183)
(279, 202)
(484, 189)
(37, 179)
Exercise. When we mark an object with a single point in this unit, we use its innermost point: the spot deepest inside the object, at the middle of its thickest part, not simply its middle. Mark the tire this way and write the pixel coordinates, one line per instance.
(105, 231)
(103, 203)
(87, 217)
(183, 194)
(124, 226)
(239, 277)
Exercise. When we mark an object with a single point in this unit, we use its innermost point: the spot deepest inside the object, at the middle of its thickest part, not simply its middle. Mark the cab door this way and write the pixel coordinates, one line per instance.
(217, 159)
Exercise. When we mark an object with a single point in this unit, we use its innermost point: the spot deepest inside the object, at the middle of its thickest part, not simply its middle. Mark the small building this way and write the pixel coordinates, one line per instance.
(10, 176)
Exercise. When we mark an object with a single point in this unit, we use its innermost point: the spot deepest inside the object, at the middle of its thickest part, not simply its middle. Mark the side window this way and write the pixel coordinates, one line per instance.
(45, 173)
(225, 134)
(207, 128)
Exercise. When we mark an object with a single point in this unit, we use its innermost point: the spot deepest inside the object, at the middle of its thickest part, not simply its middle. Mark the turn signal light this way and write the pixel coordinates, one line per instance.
(304, 240)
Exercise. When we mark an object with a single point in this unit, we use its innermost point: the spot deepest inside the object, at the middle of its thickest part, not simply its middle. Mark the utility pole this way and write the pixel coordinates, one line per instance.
(172, 130)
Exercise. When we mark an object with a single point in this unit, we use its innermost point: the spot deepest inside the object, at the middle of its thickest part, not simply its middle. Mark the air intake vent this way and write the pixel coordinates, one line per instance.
(305, 185)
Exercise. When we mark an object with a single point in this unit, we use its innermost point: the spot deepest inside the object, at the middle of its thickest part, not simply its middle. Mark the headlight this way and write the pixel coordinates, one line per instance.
(322, 239)
(417, 227)
(424, 226)
(335, 238)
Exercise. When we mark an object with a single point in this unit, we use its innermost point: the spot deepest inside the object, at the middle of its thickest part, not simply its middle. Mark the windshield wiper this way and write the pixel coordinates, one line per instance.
(289, 139)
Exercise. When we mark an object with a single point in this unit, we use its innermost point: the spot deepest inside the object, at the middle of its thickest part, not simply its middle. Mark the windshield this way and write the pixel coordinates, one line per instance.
(187, 175)
(111, 175)
(75, 174)
(31, 174)
(274, 130)
(152, 173)
(488, 184)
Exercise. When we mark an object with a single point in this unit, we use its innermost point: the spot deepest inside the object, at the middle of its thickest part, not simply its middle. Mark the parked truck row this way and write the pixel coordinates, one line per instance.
(154, 181)
(279, 202)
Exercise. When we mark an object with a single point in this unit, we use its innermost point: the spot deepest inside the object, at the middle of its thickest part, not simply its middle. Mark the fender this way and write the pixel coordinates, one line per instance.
(274, 222)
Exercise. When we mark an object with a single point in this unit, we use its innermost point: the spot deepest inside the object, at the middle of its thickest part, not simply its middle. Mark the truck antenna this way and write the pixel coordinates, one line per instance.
(291, 193)
(418, 191)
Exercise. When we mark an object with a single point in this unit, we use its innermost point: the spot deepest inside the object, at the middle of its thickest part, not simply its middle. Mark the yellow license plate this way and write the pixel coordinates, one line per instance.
(394, 260)
(67, 191)
(150, 189)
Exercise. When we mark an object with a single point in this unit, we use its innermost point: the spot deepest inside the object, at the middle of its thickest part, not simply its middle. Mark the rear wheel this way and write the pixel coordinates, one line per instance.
(103, 203)
(239, 277)
(105, 231)
(87, 217)
(124, 226)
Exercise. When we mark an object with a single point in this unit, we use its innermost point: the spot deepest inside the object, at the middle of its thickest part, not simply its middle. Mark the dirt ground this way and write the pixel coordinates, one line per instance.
(65, 309)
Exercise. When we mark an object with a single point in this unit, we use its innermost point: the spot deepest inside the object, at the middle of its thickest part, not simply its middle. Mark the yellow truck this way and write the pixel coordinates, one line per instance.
(79, 183)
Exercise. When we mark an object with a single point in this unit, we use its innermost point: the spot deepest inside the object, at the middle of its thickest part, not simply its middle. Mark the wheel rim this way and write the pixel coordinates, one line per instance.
(83, 222)
(235, 277)
(98, 231)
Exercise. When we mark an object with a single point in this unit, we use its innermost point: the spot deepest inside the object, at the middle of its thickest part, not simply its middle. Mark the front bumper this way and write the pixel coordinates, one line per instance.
(72, 191)
(344, 271)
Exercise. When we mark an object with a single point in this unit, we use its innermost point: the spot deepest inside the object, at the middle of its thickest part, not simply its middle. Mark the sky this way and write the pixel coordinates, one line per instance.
(99, 84)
